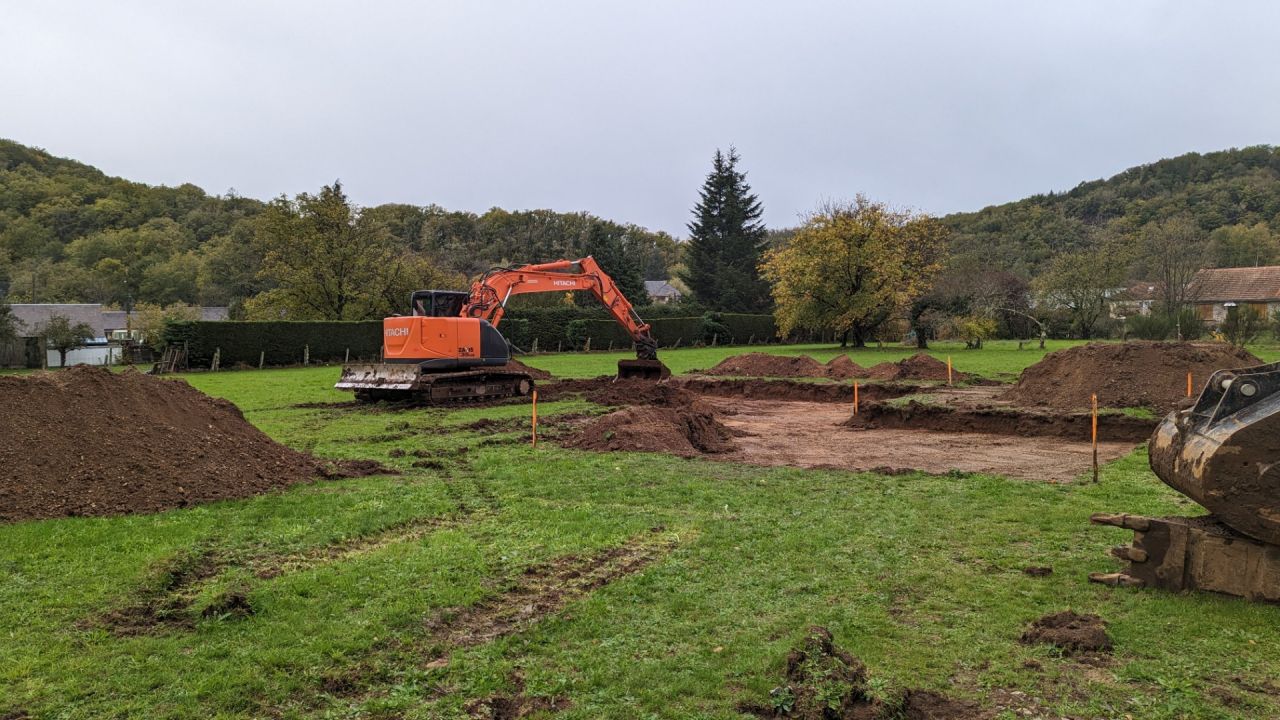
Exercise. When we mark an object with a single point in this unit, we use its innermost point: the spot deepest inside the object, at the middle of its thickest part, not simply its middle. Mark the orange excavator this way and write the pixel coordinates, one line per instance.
(449, 349)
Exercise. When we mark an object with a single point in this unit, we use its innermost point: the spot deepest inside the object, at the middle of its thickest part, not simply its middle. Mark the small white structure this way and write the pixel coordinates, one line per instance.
(661, 292)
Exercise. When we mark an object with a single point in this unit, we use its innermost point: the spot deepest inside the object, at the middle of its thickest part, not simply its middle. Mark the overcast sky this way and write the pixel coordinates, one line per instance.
(616, 108)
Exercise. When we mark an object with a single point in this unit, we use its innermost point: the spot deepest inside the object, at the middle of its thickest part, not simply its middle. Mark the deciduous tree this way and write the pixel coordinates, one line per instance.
(64, 336)
(852, 266)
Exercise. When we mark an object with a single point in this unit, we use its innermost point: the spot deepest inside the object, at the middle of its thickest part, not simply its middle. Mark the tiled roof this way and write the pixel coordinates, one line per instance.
(660, 288)
(215, 314)
(1252, 284)
(1142, 290)
(31, 317)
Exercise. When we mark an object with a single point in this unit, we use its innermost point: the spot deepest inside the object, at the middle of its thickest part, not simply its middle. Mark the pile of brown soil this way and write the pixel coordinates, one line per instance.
(687, 431)
(841, 367)
(1070, 631)
(920, 366)
(641, 392)
(86, 441)
(1131, 374)
(514, 365)
(766, 365)
(823, 682)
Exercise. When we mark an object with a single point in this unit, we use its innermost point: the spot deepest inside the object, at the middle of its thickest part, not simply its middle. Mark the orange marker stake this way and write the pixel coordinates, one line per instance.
(948, 369)
(1188, 383)
(1094, 403)
(855, 397)
(534, 442)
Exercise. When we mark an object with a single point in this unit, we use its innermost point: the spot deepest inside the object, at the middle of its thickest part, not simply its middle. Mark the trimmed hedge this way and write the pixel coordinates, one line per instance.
(281, 342)
(567, 328)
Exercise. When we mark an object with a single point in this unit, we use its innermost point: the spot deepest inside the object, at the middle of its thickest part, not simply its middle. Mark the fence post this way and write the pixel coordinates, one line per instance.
(533, 349)
(306, 355)
(347, 358)
(587, 346)
(262, 356)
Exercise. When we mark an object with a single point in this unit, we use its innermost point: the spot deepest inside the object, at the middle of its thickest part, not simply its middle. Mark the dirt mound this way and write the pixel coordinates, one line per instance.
(824, 682)
(86, 441)
(920, 366)
(641, 392)
(1131, 374)
(765, 365)
(841, 367)
(1070, 631)
(686, 431)
(514, 365)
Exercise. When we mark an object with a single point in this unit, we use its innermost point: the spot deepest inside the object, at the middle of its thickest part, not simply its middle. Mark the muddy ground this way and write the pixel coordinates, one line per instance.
(810, 435)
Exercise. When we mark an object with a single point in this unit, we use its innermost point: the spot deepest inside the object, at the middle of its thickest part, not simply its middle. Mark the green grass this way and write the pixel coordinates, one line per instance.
(919, 576)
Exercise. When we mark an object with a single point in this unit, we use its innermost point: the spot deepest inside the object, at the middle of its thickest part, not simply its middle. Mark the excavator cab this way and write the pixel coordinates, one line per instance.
(437, 303)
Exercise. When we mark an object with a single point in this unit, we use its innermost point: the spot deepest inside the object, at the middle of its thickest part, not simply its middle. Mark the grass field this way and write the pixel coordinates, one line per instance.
(919, 576)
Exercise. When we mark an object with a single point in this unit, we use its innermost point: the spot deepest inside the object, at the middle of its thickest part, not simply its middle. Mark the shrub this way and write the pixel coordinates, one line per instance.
(1149, 327)
(1242, 326)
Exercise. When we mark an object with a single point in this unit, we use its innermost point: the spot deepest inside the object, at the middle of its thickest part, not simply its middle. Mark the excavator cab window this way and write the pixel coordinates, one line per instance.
(438, 303)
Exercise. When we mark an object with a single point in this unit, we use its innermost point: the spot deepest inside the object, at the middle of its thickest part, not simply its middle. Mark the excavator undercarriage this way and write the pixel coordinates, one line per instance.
(1224, 453)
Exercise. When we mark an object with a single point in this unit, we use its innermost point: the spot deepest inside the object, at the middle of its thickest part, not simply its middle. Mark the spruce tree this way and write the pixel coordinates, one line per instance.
(726, 241)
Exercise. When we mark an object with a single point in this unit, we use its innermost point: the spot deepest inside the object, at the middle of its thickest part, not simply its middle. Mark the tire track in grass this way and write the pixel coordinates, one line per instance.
(165, 600)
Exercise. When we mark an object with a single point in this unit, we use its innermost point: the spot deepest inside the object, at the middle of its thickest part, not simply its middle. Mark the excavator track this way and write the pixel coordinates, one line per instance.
(1224, 453)
(400, 383)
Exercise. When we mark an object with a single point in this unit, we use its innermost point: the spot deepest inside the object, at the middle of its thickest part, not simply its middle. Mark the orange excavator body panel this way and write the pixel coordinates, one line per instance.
(414, 339)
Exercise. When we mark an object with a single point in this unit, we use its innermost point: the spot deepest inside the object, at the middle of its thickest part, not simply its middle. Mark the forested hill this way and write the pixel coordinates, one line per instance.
(1235, 190)
(71, 233)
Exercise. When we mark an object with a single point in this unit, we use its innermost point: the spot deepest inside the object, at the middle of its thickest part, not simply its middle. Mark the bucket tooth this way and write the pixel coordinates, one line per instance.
(1116, 579)
(1130, 553)
(1121, 520)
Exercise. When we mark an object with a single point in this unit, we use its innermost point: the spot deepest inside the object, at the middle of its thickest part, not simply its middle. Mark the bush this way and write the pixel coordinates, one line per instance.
(1149, 327)
(1188, 322)
(282, 343)
(1243, 325)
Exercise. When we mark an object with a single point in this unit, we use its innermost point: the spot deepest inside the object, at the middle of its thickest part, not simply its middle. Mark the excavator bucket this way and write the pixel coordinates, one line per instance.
(643, 370)
(1224, 453)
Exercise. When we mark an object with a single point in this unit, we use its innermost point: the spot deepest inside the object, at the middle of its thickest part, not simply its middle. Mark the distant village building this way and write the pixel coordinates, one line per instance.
(1214, 291)
(110, 328)
(661, 292)
(1136, 299)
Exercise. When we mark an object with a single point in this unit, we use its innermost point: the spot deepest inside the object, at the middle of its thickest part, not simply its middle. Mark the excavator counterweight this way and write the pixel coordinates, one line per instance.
(1224, 453)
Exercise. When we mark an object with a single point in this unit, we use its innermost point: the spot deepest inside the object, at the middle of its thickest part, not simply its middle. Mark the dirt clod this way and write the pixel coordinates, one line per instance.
(1037, 571)
(515, 704)
(1131, 374)
(823, 682)
(1069, 631)
(87, 442)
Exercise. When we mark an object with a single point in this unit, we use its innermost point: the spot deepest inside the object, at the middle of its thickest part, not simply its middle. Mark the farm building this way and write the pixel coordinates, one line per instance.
(1214, 291)
(661, 292)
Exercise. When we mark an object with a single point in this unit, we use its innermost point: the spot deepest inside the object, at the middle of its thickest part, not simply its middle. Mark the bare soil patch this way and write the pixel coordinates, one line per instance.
(809, 435)
(87, 442)
(823, 682)
(164, 601)
(1130, 374)
(1071, 632)
(1000, 421)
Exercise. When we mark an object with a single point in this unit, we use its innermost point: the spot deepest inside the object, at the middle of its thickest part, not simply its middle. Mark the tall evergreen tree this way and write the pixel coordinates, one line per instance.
(726, 241)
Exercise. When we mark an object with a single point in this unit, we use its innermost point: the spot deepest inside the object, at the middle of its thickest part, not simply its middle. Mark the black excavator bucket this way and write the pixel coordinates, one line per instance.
(643, 370)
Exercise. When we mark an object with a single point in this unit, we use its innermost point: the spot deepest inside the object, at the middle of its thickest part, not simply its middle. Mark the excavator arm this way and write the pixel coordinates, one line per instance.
(490, 293)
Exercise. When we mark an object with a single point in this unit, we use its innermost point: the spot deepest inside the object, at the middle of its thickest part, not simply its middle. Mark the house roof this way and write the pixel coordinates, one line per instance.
(660, 288)
(115, 320)
(215, 314)
(1137, 291)
(31, 317)
(1251, 284)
